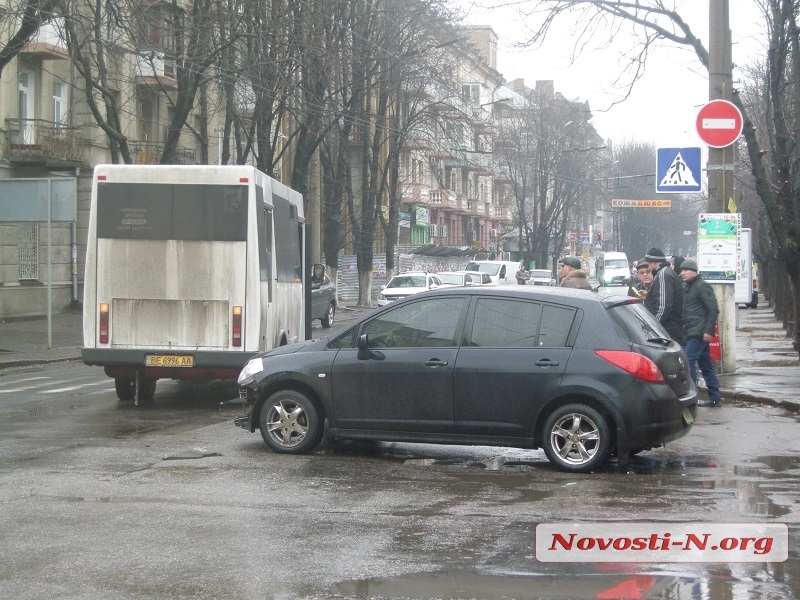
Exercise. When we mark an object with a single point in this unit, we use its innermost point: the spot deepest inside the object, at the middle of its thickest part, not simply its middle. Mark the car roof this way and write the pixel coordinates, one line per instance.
(567, 296)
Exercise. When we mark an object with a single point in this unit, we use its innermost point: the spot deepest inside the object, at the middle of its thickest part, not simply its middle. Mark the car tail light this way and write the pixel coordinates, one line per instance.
(236, 339)
(103, 337)
(636, 364)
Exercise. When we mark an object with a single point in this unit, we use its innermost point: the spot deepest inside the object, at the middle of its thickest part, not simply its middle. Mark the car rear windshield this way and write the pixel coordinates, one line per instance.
(407, 281)
(447, 278)
(540, 273)
(636, 322)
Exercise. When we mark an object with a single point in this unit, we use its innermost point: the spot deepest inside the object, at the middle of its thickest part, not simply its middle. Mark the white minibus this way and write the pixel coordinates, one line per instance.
(190, 270)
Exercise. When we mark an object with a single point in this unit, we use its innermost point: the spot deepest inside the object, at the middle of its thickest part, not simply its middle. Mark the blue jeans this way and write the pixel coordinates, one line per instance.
(699, 355)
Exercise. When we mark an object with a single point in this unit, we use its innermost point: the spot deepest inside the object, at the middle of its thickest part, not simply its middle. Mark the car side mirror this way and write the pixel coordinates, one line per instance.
(363, 347)
(318, 273)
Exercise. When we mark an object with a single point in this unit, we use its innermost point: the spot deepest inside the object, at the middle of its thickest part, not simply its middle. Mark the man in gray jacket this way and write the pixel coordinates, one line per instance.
(700, 311)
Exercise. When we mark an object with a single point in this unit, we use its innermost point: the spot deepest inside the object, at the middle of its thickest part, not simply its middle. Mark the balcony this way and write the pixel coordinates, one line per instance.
(444, 199)
(415, 193)
(476, 208)
(153, 70)
(501, 214)
(40, 142)
(149, 153)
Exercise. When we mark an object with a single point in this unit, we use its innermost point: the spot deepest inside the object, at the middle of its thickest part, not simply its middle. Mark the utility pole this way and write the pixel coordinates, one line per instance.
(721, 164)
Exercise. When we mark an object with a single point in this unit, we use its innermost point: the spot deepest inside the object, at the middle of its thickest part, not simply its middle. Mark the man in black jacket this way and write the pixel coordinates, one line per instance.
(665, 296)
(700, 311)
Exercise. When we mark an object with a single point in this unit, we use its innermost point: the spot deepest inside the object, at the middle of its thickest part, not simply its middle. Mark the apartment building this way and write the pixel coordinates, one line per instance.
(50, 133)
(450, 201)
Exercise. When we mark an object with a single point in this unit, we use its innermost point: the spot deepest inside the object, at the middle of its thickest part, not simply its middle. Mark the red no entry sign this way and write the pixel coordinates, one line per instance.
(719, 123)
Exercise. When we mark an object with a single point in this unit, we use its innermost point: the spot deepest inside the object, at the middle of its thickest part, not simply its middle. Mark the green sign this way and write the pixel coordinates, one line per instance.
(718, 246)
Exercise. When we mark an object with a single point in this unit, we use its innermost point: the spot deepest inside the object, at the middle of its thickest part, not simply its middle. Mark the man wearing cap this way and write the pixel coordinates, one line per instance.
(639, 289)
(700, 311)
(665, 296)
(572, 275)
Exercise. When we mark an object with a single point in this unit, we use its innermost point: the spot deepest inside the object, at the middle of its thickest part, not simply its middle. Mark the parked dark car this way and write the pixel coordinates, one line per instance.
(581, 375)
(323, 297)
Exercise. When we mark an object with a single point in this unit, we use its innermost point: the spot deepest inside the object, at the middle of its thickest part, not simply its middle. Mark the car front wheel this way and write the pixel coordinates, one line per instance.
(576, 438)
(290, 423)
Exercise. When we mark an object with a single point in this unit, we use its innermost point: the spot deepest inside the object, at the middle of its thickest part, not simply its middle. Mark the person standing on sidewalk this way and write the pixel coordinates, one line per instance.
(572, 275)
(639, 289)
(700, 311)
(665, 297)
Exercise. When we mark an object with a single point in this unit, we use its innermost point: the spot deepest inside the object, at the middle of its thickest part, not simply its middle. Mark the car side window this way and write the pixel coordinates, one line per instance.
(505, 323)
(429, 323)
(556, 324)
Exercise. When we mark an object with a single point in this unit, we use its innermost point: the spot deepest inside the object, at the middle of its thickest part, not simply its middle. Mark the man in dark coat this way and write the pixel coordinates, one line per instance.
(665, 296)
(572, 275)
(700, 311)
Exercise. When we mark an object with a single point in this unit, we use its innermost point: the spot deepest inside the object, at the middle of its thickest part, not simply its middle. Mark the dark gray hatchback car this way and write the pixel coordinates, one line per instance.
(579, 375)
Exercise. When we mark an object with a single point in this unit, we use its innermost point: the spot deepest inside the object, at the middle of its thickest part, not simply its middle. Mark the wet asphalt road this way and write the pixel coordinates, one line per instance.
(101, 500)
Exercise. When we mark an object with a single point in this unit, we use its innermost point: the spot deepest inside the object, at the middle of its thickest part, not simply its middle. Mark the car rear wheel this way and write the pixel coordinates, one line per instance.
(576, 438)
(327, 320)
(126, 388)
(290, 423)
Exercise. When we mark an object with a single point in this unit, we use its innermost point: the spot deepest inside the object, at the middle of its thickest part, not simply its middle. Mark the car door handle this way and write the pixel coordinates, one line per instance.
(546, 362)
(435, 362)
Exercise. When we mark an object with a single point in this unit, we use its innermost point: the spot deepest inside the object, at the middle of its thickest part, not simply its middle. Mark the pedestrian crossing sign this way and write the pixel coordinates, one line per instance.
(678, 170)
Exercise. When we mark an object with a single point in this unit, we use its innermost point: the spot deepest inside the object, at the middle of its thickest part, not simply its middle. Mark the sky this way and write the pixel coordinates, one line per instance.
(664, 104)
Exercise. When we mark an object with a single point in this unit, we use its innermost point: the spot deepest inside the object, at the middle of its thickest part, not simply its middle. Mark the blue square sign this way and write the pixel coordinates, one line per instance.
(678, 170)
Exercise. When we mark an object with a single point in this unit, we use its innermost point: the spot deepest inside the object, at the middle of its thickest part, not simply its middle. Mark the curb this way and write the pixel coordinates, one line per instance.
(28, 362)
(789, 405)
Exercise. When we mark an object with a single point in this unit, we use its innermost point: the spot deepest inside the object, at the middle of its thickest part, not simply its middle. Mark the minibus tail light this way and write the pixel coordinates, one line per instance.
(103, 338)
(236, 339)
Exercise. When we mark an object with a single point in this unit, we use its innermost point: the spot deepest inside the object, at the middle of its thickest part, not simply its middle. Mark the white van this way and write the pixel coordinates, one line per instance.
(502, 272)
(613, 269)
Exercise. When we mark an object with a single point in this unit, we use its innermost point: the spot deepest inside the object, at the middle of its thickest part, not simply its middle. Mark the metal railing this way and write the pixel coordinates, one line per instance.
(149, 153)
(37, 140)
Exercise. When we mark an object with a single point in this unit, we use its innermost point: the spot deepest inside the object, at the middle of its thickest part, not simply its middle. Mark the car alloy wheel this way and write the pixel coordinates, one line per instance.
(327, 320)
(576, 438)
(290, 423)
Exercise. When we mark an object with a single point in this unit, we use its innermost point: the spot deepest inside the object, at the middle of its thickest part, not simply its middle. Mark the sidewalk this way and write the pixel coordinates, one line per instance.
(767, 369)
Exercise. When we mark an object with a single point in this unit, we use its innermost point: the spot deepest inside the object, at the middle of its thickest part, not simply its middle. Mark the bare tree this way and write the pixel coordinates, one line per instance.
(547, 149)
(776, 178)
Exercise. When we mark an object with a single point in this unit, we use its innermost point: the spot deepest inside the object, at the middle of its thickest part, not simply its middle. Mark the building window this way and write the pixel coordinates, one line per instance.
(59, 103)
(27, 94)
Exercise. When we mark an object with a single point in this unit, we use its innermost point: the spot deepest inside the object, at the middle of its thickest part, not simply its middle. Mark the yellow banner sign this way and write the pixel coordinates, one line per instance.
(619, 203)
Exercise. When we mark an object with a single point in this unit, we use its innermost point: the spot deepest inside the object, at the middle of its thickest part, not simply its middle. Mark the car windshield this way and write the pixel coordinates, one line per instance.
(540, 274)
(451, 278)
(489, 268)
(407, 281)
(617, 263)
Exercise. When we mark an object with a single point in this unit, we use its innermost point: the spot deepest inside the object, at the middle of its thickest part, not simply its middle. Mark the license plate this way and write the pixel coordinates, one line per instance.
(168, 360)
(687, 416)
